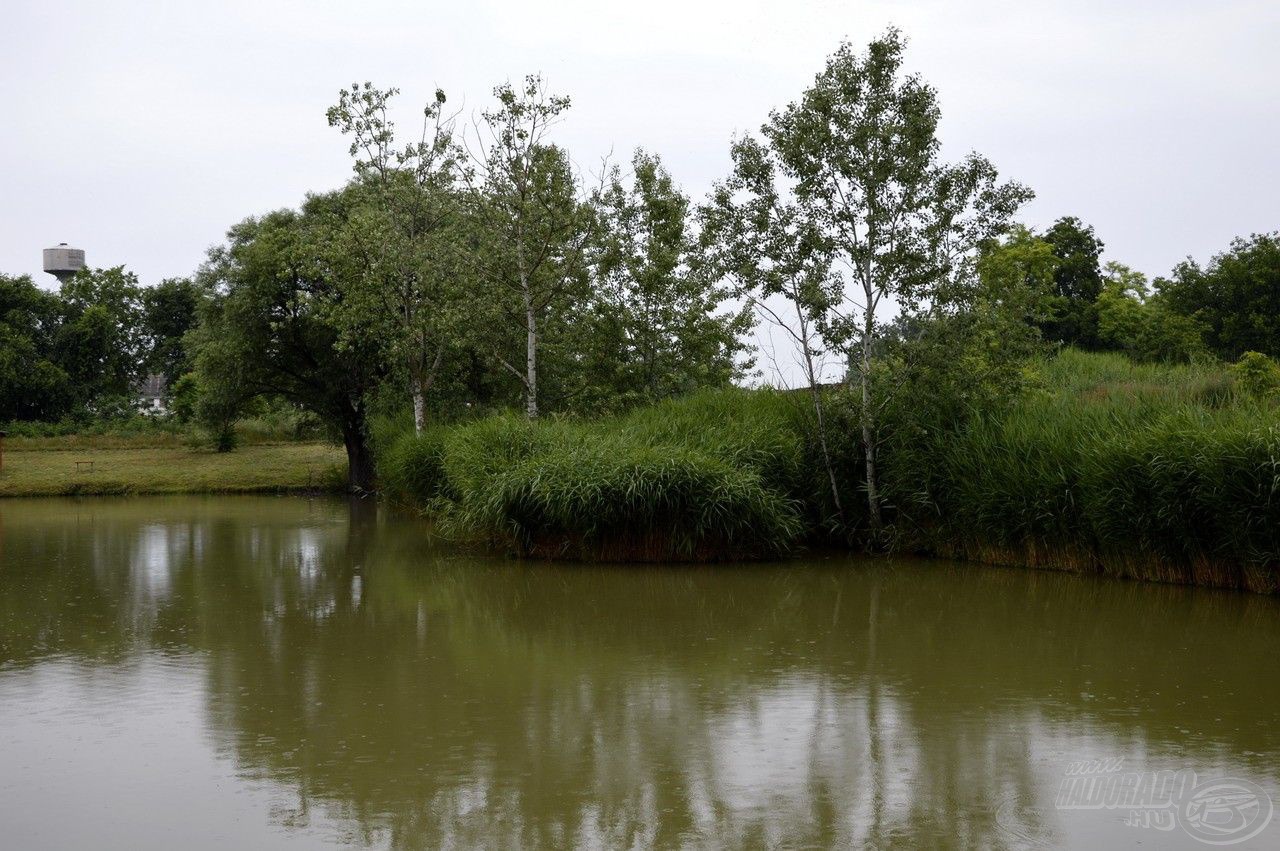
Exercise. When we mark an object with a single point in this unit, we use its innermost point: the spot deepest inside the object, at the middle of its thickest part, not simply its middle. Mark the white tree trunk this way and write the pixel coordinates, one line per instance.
(868, 412)
(531, 331)
(419, 408)
(531, 357)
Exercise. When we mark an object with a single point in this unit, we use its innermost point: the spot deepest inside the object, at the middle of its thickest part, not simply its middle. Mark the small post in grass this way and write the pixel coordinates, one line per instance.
(3, 435)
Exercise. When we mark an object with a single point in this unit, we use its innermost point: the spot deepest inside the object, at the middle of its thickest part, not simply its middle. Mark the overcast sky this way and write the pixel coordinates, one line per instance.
(139, 131)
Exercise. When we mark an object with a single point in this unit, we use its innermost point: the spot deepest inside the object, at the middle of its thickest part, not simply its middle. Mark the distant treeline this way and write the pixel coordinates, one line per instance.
(79, 353)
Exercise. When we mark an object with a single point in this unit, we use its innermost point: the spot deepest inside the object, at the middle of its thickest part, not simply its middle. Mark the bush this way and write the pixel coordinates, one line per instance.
(1257, 375)
(411, 467)
(619, 499)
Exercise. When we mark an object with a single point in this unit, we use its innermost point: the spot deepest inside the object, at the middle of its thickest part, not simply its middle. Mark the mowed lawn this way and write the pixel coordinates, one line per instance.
(250, 469)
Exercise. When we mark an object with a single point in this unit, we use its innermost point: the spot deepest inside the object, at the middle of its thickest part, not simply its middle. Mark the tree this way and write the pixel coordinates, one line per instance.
(967, 352)
(861, 153)
(99, 342)
(1236, 297)
(657, 310)
(32, 385)
(1170, 337)
(407, 234)
(168, 313)
(266, 326)
(1077, 283)
(528, 203)
(1133, 321)
(1121, 308)
(966, 357)
(752, 236)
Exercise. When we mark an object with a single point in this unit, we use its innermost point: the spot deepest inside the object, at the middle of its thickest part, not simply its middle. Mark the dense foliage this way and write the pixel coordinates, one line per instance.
(79, 353)
(717, 475)
(1156, 472)
(1236, 297)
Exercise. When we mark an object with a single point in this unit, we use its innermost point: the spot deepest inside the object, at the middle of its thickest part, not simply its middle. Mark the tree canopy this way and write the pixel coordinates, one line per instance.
(1235, 297)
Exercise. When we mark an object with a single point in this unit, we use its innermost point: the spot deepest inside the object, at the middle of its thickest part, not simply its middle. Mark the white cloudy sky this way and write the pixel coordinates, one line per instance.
(140, 131)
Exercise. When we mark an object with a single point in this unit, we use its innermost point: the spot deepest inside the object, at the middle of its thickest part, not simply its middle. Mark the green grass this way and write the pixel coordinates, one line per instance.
(709, 477)
(143, 432)
(1143, 471)
(1162, 473)
(259, 468)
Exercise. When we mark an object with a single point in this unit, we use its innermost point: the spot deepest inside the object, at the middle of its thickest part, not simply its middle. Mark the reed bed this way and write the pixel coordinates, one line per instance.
(710, 477)
(1138, 471)
(1165, 474)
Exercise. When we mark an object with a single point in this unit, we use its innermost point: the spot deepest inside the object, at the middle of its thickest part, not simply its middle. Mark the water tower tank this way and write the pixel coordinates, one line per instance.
(63, 261)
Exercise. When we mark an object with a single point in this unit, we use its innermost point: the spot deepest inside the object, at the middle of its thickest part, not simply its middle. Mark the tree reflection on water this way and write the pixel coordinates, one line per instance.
(419, 697)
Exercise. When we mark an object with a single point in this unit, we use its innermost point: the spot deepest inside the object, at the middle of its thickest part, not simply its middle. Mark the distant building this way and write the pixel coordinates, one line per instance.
(151, 395)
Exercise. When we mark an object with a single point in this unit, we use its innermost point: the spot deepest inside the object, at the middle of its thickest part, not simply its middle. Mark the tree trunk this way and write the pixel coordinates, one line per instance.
(816, 391)
(531, 330)
(419, 407)
(531, 357)
(822, 442)
(421, 379)
(360, 476)
(868, 424)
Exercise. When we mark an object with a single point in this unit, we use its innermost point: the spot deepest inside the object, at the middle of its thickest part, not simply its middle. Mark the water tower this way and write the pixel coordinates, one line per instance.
(63, 261)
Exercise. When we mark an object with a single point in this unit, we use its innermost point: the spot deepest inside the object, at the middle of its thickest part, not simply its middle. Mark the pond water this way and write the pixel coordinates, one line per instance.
(281, 672)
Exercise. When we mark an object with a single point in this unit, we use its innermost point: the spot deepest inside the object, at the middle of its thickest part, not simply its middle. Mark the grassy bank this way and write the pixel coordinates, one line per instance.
(1160, 473)
(1168, 474)
(714, 476)
(262, 468)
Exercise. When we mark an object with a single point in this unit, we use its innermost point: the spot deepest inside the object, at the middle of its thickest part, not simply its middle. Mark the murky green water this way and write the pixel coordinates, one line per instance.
(262, 672)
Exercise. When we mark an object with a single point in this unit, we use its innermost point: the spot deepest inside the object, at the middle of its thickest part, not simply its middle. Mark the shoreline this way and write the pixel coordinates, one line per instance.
(159, 471)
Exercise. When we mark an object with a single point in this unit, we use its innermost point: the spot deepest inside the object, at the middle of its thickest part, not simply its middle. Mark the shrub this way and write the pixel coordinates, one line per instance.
(618, 499)
(1257, 375)
(411, 468)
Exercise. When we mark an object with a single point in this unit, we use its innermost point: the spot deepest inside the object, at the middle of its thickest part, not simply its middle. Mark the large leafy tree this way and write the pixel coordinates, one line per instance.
(1078, 282)
(1236, 297)
(859, 154)
(32, 385)
(168, 314)
(266, 327)
(781, 266)
(99, 342)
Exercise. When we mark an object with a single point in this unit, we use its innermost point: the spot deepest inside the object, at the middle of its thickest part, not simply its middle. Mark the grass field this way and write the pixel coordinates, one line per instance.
(262, 468)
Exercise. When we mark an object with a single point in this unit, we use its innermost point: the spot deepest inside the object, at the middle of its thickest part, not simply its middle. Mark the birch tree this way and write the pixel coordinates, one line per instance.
(861, 155)
(669, 331)
(530, 203)
(755, 238)
(404, 234)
